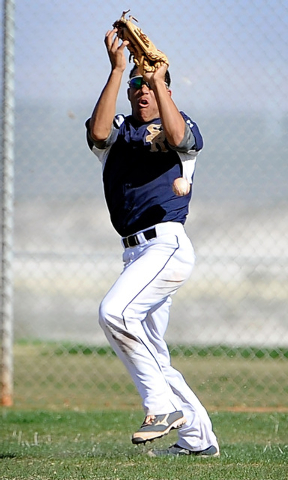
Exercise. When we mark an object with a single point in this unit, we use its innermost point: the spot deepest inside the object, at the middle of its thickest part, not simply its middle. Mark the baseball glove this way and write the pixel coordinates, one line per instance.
(144, 53)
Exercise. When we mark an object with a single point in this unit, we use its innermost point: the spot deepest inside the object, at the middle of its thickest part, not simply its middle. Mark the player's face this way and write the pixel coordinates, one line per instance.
(142, 99)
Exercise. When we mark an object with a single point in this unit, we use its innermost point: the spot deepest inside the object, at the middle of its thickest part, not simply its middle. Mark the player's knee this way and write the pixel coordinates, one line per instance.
(107, 314)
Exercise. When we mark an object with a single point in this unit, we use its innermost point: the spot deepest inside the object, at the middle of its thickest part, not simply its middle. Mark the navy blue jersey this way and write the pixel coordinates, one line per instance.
(139, 167)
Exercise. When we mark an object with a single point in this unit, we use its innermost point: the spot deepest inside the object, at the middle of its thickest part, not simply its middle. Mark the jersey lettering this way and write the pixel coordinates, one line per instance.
(156, 137)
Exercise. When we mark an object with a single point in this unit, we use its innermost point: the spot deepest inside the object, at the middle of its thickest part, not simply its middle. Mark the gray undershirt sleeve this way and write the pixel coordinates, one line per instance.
(188, 141)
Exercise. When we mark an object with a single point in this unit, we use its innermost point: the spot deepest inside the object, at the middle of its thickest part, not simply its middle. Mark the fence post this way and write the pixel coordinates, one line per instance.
(7, 200)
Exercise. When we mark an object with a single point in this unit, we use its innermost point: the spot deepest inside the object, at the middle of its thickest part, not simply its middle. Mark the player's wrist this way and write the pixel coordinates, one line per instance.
(117, 70)
(116, 75)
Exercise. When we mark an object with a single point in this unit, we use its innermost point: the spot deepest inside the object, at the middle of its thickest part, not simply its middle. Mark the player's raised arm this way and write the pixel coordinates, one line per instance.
(172, 121)
(104, 111)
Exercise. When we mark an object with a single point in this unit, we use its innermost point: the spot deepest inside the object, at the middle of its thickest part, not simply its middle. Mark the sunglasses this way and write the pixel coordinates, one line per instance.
(138, 82)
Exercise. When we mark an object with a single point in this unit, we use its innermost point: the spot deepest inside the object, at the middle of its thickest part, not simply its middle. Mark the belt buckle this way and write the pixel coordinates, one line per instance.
(134, 241)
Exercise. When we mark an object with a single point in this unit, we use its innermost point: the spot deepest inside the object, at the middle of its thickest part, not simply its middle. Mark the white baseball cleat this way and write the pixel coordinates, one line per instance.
(156, 426)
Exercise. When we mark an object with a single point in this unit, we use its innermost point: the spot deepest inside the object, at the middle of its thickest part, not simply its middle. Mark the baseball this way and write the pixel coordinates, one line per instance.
(181, 186)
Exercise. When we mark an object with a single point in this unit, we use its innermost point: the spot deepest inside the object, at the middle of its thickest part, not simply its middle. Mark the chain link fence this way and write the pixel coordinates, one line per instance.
(229, 324)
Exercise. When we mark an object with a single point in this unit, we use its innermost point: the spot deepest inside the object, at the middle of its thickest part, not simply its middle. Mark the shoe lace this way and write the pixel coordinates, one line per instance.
(149, 420)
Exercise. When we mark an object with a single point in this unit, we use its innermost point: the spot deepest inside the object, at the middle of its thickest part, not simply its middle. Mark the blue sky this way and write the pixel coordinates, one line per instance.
(224, 55)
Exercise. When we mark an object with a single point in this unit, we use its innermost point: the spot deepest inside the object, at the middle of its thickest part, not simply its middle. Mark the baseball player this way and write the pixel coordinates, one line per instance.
(142, 154)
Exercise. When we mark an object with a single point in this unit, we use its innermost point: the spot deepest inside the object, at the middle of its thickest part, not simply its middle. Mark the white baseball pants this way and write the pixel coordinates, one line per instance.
(134, 316)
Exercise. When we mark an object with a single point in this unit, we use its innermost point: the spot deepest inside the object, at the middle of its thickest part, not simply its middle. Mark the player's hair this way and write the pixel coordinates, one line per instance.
(167, 75)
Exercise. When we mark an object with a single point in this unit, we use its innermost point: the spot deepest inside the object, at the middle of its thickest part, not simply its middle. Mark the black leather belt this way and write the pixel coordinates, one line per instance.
(134, 240)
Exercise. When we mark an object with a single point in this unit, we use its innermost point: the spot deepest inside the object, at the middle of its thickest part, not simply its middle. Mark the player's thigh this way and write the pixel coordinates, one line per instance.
(158, 271)
(155, 274)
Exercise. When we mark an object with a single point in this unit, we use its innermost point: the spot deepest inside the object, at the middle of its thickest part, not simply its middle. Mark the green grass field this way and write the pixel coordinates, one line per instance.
(75, 410)
(72, 445)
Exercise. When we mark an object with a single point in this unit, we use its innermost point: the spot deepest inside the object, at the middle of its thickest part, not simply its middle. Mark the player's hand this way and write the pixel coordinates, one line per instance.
(115, 50)
(156, 77)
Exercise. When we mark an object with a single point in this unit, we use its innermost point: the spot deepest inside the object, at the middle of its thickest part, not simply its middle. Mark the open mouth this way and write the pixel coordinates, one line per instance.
(143, 102)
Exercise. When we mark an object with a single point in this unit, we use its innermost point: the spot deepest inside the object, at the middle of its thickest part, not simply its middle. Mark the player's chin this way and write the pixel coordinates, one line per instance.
(144, 114)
